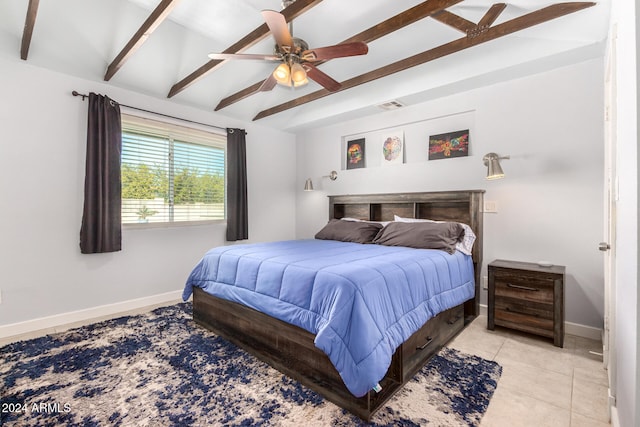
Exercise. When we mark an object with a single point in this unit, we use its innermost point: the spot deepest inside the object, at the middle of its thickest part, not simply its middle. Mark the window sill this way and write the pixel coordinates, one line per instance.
(147, 225)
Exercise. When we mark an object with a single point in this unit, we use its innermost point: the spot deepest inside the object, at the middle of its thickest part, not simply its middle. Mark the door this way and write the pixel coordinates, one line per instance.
(610, 197)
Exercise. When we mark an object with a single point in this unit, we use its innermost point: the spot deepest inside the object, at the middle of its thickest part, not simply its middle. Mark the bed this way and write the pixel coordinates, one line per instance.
(247, 293)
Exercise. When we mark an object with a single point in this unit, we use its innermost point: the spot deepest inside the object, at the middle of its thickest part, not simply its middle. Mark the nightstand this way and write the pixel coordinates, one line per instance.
(527, 297)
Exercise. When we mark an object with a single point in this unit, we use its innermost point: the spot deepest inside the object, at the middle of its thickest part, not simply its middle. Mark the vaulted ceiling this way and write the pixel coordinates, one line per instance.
(418, 50)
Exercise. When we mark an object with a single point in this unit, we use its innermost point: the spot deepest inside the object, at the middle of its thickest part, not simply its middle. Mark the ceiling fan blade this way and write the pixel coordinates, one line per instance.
(320, 77)
(278, 26)
(244, 56)
(337, 51)
(269, 83)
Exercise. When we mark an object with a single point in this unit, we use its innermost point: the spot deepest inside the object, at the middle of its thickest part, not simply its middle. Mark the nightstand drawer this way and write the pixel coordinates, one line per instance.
(520, 306)
(524, 288)
(523, 322)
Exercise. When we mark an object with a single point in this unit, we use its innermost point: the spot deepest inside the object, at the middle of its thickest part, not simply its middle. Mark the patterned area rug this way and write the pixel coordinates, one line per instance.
(160, 369)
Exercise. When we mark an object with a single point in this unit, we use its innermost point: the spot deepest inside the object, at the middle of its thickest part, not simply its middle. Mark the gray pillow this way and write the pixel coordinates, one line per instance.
(349, 231)
(421, 235)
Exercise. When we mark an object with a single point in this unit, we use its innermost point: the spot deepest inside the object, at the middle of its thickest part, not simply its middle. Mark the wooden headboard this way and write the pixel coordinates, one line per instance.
(455, 206)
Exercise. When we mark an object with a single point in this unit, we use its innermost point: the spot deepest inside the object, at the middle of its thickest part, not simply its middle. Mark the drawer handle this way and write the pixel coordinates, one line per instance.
(524, 288)
(517, 312)
(423, 346)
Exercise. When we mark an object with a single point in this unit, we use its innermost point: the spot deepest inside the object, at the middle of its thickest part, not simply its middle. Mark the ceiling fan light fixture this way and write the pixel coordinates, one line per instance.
(282, 74)
(300, 84)
(296, 59)
(298, 75)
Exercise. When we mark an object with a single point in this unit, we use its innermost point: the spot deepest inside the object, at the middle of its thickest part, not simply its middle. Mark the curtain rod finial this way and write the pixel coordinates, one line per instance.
(75, 93)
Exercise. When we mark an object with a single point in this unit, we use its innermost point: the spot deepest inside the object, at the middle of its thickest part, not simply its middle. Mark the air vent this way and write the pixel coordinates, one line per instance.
(391, 105)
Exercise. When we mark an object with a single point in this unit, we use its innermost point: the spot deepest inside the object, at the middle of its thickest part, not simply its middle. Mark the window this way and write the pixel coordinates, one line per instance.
(171, 173)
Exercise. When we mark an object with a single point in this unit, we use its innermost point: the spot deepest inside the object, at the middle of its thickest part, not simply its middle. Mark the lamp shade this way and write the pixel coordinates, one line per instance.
(308, 185)
(492, 162)
(298, 75)
(282, 74)
(494, 170)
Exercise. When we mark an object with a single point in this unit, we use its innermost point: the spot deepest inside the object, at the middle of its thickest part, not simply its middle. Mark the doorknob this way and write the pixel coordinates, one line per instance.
(604, 246)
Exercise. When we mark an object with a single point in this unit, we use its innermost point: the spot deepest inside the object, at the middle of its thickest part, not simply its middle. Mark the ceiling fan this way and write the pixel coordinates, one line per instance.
(296, 58)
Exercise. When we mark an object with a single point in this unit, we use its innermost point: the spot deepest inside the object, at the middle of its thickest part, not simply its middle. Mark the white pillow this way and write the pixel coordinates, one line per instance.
(383, 223)
(465, 245)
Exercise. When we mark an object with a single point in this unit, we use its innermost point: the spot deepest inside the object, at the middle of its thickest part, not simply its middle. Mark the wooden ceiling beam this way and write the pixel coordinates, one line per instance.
(290, 12)
(454, 21)
(401, 20)
(154, 20)
(492, 14)
(29, 24)
(508, 27)
(468, 27)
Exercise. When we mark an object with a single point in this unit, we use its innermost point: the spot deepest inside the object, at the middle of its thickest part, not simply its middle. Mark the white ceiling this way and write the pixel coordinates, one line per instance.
(82, 37)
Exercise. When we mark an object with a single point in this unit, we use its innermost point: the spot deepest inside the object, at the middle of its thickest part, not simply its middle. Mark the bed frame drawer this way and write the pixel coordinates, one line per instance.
(429, 339)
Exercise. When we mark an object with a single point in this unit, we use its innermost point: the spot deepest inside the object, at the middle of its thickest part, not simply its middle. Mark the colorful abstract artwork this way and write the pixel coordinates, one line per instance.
(355, 154)
(449, 145)
(392, 148)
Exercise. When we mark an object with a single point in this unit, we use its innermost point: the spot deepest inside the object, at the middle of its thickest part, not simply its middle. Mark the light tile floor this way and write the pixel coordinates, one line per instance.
(541, 385)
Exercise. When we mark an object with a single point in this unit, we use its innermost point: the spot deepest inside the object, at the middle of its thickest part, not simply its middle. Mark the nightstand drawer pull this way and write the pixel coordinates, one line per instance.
(524, 288)
(423, 346)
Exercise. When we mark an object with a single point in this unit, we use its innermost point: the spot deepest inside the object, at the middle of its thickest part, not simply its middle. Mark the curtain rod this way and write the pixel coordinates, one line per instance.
(75, 93)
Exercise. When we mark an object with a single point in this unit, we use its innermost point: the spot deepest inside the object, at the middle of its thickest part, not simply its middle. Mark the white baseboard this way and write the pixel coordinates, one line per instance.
(615, 421)
(484, 310)
(569, 328)
(59, 322)
(583, 331)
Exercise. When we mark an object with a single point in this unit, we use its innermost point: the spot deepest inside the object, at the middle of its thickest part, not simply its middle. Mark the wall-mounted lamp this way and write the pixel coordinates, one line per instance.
(492, 162)
(308, 185)
(333, 175)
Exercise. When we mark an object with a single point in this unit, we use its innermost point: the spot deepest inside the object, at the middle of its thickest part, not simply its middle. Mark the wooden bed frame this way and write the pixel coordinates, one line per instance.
(291, 350)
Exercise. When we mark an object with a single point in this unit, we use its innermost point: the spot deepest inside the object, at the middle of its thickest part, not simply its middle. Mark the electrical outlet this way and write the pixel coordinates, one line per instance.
(485, 282)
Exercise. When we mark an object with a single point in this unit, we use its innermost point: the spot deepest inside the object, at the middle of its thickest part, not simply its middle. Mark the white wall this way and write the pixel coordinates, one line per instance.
(41, 182)
(549, 204)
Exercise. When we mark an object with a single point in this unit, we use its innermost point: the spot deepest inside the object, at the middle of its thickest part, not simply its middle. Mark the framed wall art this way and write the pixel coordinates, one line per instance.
(392, 147)
(355, 153)
(449, 145)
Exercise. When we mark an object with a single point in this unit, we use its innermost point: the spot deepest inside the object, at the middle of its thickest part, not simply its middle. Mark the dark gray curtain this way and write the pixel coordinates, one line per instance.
(237, 212)
(101, 228)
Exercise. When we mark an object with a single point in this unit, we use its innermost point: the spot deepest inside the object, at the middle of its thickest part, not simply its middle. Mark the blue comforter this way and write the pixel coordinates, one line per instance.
(361, 301)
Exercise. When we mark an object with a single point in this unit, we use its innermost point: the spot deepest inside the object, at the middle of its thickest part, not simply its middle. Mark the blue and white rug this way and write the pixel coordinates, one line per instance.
(160, 369)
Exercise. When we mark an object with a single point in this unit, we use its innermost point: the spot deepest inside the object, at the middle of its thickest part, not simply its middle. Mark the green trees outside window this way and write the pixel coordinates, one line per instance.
(171, 173)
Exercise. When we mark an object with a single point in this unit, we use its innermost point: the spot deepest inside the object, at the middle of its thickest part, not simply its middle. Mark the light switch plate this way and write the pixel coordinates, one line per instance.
(491, 206)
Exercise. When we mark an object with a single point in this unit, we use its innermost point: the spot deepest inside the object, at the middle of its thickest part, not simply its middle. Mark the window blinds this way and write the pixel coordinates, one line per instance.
(171, 173)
